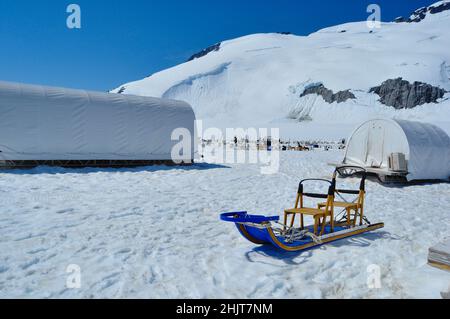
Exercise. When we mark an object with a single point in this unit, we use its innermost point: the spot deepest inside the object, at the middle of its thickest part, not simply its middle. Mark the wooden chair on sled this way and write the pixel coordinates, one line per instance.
(320, 215)
(358, 205)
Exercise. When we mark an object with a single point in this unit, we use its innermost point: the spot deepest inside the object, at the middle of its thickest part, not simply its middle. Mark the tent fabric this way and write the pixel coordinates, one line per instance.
(426, 147)
(47, 123)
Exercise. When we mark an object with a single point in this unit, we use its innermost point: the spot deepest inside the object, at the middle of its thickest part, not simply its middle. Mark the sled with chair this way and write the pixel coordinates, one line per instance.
(327, 226)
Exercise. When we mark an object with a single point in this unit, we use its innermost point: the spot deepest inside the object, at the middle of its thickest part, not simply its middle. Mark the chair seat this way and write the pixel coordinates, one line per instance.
(342, 205)
(307, 211)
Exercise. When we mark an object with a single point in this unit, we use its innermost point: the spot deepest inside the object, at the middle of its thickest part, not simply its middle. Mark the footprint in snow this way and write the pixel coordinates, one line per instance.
(3, 269)
(37, 251)
(31, 236)
(124, 251)
(32, 262)
(65, 211)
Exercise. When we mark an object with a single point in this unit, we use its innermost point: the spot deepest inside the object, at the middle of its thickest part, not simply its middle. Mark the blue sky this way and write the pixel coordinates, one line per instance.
(122, 41)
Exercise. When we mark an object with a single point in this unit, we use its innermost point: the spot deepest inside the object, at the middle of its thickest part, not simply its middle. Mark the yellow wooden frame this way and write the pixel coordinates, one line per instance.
(357, 207)
(319, 214)
(360, 202)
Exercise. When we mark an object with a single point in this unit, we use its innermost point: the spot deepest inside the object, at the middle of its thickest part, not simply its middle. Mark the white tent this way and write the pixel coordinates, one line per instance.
(425, 147)
(44, 124)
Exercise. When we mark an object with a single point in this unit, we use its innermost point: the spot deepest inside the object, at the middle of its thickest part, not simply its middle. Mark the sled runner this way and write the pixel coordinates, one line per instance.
(327, 227)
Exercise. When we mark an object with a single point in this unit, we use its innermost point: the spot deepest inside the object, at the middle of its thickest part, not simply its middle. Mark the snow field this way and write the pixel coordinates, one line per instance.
(155, 233)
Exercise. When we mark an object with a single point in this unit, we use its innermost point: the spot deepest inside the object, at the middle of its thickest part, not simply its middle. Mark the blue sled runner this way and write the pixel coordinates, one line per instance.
(260, 231)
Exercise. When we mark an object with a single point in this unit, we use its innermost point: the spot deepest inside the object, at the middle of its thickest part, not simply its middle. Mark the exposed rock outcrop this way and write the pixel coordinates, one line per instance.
(421, 13)
(400, 20)
(328, 95)
(403, 95)
(215, 47)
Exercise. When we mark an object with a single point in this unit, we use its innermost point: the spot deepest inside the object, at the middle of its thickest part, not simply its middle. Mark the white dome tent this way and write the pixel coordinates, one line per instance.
(75, 128)
(415, 150)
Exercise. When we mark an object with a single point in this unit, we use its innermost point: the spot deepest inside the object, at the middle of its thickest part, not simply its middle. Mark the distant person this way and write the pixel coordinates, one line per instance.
(269, 144)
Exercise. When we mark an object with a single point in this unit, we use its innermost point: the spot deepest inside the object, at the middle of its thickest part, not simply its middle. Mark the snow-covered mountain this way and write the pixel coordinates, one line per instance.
(322, 84)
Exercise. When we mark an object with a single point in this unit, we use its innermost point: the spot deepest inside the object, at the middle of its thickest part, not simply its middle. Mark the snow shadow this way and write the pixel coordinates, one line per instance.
(47, 170)
(268, 252)
(364, 240)
(301, 257)
(415, 183)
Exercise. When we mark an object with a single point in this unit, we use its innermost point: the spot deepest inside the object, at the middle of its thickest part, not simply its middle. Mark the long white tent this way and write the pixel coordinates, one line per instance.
(425, 147)
(45, 125)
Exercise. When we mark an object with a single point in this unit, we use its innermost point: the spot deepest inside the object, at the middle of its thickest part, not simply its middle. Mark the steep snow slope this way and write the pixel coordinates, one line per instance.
(257, 80)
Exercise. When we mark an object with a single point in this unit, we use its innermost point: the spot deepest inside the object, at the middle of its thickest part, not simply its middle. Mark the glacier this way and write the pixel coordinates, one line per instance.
(255, 88)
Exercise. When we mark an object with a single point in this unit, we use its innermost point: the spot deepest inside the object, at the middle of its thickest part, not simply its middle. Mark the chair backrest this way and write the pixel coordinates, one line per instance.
(329, 196)
(352, 171)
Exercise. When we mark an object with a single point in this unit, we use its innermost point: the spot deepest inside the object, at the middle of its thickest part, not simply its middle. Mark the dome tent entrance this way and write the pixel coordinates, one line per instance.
(56, 126)
(425, 147)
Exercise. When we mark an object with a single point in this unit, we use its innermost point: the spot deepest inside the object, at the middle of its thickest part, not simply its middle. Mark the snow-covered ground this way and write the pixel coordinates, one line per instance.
(155, 232)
